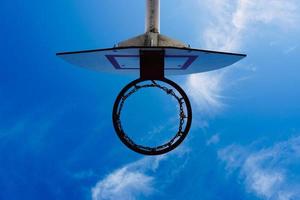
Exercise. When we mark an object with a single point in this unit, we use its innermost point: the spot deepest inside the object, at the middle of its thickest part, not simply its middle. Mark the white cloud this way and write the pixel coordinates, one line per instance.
(231, 20)
(205, 91)
(266, 172)
(123, 184)
(265, 182)
(129, 182)
(139, 179)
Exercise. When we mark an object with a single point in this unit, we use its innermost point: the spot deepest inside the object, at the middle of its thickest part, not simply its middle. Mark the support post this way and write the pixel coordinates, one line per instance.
(153, 16)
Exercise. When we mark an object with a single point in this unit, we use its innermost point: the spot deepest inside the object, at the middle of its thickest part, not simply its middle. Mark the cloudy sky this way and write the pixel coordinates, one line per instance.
(56, 136)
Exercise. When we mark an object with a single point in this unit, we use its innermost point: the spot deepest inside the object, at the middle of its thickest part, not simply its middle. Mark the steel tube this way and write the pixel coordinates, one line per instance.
(153, 16)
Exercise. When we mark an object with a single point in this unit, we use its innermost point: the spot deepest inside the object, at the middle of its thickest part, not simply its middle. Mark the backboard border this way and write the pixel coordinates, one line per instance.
(149, 48)
(112, 59)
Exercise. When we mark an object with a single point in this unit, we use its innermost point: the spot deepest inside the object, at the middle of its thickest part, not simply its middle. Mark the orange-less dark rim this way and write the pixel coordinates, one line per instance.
(173, 142)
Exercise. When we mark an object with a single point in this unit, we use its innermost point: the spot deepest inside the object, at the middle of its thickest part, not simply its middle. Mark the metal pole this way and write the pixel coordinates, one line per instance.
(153, 16)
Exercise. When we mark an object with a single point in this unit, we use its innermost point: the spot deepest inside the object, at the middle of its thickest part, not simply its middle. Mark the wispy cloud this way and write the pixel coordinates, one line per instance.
(205, 92)
(128, 182)
(140, 178)
(231, 23)
(123, 184)
(232, 20)
(267, 172)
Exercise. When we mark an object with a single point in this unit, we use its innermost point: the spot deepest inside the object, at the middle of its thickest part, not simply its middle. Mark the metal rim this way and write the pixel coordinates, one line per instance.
(158, 150)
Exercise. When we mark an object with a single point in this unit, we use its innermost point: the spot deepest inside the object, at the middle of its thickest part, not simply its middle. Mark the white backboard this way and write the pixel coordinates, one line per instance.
(125, 60)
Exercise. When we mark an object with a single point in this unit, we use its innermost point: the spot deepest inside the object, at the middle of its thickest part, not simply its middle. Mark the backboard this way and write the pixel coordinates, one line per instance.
(126, 60)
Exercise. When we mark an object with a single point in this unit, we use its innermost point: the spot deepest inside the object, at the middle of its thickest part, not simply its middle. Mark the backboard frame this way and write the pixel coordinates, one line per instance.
(189, 60)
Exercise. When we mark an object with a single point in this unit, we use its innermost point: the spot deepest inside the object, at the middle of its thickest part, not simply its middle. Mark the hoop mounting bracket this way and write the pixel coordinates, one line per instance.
(152, 64)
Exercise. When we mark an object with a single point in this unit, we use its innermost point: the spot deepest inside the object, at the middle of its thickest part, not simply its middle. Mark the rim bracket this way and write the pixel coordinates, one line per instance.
(152, 64)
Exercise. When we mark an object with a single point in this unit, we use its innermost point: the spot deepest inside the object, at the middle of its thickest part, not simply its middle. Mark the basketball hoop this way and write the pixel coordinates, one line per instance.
(185, 115)
(152, 56)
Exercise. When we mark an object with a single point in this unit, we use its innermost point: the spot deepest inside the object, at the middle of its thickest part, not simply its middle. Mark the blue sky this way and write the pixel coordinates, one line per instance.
(56, 136)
